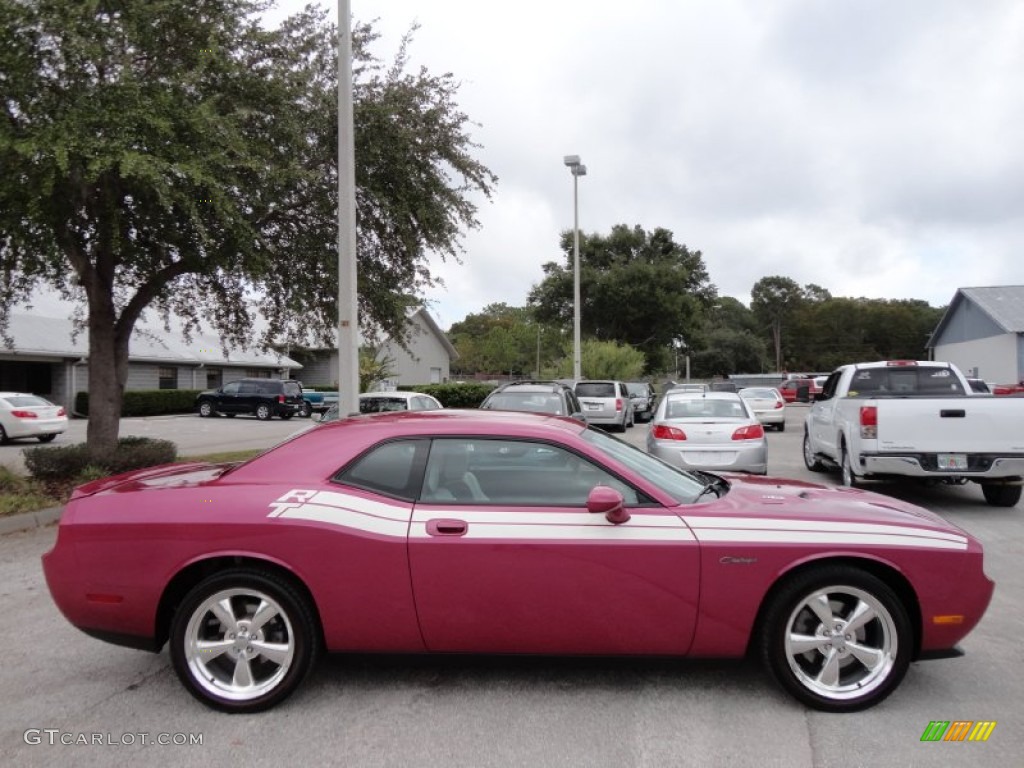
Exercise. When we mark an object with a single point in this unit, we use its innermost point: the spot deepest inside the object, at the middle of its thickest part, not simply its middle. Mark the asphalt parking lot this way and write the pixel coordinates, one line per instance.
(60, 685)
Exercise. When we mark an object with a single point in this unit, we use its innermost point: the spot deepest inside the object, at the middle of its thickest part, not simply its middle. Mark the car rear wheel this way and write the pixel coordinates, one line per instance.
(811, 461)
(263, 412)
(781, 426)
(838, 639)
(1001, 495)
(206, 409)
(243, 640)
(3, 436)
(46, 438)
(307, 410)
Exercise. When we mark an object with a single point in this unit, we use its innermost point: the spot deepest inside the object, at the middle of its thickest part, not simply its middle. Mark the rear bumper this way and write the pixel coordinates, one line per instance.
(37, 427)
(923, 465)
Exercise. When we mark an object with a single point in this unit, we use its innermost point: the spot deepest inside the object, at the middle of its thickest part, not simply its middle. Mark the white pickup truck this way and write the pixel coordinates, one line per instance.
(919, 419)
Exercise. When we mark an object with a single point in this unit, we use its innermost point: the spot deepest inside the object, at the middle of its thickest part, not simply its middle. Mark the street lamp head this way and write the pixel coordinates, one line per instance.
(579, 170)
(572, 160)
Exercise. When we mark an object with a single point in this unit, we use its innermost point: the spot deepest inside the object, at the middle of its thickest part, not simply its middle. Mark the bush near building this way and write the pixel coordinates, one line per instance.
(450, 395)
(148, 402)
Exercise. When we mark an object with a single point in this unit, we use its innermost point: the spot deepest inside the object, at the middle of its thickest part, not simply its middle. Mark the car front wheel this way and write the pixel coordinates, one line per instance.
(838, 639)
(206, 409)
(846, 470)
(263, 412)
(810, 460)
(243, 640)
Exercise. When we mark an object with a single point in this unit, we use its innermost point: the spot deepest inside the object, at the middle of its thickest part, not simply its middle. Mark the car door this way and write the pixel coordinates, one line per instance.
(227, 398)
(506, 558)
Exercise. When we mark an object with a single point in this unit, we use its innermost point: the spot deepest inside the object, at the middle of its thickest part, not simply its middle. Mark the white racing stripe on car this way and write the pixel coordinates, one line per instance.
(776, 530)
(561, 526)
(344, 510)
(347, 518)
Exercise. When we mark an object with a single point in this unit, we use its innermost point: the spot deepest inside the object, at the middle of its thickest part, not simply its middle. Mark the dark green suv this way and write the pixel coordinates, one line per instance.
(263, 398)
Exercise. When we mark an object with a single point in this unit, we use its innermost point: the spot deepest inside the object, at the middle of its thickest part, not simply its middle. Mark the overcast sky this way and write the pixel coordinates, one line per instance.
(875, 148)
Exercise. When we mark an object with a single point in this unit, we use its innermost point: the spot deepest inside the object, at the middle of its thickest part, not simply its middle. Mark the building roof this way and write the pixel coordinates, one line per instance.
(36, 336)
(1003, 304)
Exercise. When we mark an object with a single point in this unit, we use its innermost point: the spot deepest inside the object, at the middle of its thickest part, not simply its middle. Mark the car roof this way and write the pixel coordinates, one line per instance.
(709, 395)
(396, 395)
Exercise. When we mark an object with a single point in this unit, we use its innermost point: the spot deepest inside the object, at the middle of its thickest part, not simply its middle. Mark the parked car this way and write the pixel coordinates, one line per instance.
(767, 404)
(480, 532)
(381, 402)
(24, 415)
(722, 385)
(716, 431)
(316, 402)
(263, 398)
(535, 397)
(916, 419)
(799, 390)
(606, 403)
(643, 397)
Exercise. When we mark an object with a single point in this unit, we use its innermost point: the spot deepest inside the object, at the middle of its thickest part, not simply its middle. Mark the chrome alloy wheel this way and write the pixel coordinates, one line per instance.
(239, 644)
(841, 643)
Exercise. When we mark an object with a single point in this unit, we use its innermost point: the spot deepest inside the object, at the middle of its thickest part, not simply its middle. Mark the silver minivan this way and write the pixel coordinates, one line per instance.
(606, 403)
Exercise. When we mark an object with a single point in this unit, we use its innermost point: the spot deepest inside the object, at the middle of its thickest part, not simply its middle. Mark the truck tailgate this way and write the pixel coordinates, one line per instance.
(960, 425)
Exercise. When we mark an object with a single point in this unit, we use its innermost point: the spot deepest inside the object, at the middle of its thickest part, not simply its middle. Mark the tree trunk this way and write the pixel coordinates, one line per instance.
(108, 373)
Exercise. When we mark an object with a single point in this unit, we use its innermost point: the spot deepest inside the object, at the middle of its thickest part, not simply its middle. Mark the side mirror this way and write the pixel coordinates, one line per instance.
(606, 501)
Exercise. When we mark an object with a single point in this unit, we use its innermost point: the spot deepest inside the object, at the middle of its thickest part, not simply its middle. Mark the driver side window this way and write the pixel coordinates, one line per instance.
(480, 472)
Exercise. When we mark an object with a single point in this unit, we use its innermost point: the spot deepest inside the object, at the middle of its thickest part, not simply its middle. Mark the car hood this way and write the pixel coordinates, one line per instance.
(795, 500)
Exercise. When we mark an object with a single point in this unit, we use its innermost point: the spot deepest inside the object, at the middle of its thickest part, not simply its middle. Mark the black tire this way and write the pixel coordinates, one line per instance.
(811, 461)
(263, 412)
(46, 438)
(291, 632)
(1001, 495)
(4, 439)
(230, 415)
(206, 410)
(867, 660)
(846, 476)
(781, 427)
(307, 410)
(286, 416)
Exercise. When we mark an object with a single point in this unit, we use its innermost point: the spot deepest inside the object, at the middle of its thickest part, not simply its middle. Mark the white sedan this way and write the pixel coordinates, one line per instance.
(24, 415)
(767, 404)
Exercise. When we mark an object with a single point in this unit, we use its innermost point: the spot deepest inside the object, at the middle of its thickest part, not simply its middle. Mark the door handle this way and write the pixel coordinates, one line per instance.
(447, 527)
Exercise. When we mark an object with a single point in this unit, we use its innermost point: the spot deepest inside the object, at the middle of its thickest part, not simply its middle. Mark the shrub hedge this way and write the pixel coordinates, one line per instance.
(148, 402)
(54, 465)
(454, 395)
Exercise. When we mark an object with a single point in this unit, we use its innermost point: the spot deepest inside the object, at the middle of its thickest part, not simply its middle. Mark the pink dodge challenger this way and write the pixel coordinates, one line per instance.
(501, 532)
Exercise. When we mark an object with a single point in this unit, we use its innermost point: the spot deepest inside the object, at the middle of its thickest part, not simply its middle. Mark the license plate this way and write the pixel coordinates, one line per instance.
(593, 407)
(952, 461)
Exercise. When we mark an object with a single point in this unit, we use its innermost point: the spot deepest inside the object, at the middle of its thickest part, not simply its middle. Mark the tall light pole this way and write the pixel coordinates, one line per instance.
(348, 324)
(577, 169)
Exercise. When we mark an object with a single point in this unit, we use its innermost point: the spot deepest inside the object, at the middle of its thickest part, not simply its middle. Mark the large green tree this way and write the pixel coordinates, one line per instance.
(775, 301)
(176, 155)
(636, 287)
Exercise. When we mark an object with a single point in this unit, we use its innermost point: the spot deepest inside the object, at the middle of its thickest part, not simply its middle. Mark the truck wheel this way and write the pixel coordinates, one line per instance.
(810, 460)
(1001, 495)
(848, 478)
(307, 410)
(263, 412)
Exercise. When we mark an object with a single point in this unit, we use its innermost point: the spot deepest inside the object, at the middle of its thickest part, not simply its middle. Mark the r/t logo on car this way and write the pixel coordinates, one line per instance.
(729, 560)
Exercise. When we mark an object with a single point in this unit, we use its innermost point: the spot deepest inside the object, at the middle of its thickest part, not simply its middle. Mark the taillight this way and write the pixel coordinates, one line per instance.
(665, 432)
(62, 412)
(780, 404)
(869, 422)
(280, 398)
(749, 432)
(618, 403)
(25, 414)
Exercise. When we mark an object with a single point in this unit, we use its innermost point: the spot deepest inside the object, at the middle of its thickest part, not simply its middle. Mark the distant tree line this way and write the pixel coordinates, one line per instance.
(647, 305)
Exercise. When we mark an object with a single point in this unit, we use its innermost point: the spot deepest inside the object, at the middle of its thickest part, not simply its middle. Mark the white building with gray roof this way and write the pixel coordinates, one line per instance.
(48, 358)
(982, 333)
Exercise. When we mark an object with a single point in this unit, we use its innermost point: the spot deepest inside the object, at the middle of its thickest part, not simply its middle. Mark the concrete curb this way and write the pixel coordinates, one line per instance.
(29, 520)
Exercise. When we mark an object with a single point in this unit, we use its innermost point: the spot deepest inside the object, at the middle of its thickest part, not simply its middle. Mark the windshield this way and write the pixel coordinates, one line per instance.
(680, 485)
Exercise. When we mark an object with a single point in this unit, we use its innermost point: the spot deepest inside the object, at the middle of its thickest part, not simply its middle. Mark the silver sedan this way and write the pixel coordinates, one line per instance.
(714, 431)
(767, 404)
